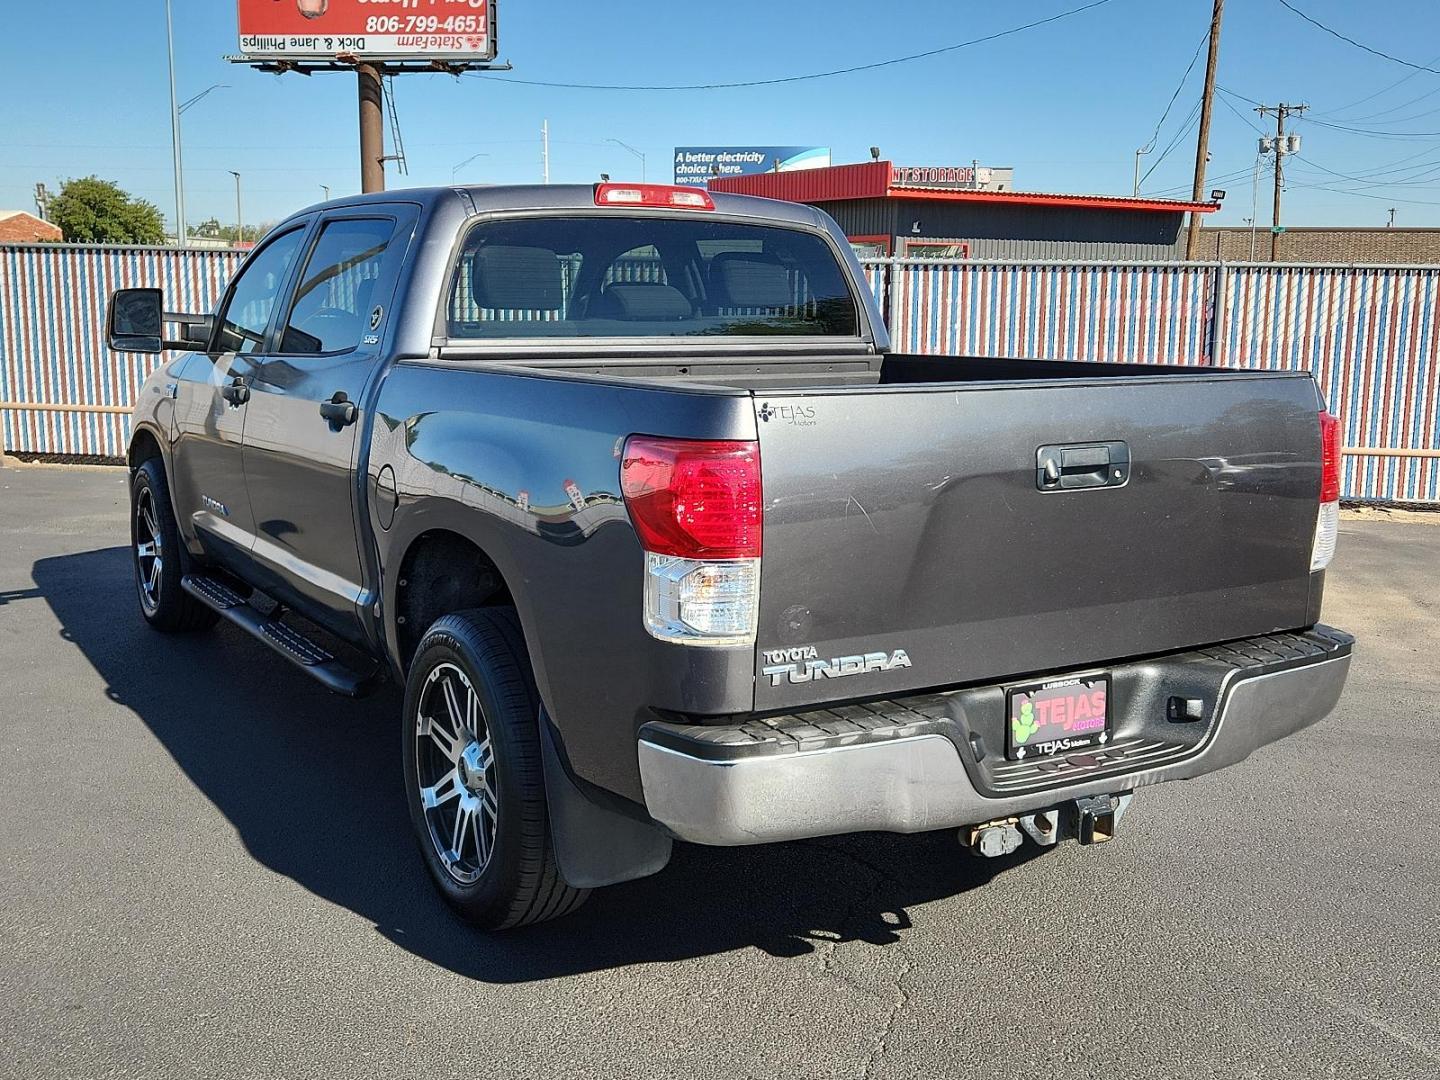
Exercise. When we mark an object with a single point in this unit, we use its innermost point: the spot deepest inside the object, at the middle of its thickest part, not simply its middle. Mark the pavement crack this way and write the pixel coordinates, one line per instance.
(901, 1002)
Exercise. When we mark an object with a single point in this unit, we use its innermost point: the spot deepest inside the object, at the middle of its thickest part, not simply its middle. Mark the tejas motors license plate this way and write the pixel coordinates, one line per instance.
(1056, 716)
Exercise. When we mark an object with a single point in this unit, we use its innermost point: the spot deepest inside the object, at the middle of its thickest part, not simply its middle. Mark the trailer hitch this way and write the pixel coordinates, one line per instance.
(1091, 820)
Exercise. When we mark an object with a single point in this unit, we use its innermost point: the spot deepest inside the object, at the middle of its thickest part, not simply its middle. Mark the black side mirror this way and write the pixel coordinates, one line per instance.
(135, 321)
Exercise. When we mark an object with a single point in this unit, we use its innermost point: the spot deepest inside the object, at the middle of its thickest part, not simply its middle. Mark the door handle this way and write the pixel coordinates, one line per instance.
(1091, 465)
(236, 393)
(339, 411)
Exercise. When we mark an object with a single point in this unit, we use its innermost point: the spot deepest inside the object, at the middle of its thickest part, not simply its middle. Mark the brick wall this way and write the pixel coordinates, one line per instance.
(23, 228)
(1319, 245)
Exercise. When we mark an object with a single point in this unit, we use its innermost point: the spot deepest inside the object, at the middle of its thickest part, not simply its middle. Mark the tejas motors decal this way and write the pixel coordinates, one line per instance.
(802, 664)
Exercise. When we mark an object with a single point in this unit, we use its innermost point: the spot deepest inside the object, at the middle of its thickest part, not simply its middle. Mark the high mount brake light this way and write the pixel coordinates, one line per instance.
(1327, 518)
(661, 195)
(696, 508)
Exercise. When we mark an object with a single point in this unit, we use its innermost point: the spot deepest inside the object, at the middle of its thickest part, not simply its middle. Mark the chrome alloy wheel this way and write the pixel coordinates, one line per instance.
(149, 549)
(455, 767)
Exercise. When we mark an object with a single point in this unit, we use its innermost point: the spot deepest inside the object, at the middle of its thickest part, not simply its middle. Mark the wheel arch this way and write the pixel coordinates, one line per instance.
(441, 572)
(145, 445)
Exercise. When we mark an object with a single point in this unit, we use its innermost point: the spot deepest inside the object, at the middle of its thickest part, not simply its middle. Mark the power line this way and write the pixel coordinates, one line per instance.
(1150, 145)
(1373, 133)
(1185, 189)
(1358, 44)
(1366, 195)
(1185, 128)
(800, 78)
(1416, 181)
(1248, 122)
(1383, 90)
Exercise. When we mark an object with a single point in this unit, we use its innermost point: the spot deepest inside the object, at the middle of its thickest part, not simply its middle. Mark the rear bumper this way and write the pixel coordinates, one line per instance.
(908, 766)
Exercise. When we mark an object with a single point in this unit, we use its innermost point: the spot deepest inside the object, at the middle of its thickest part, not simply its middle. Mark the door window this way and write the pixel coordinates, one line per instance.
(333, 302)
(242, 329)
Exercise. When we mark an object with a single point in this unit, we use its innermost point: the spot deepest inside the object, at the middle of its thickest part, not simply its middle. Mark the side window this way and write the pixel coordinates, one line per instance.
(333, 301)
(242, 329)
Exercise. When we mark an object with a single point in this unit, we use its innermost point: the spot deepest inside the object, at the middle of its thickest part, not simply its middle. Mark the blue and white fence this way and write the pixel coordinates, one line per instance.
(61, 390)
(1370, 334)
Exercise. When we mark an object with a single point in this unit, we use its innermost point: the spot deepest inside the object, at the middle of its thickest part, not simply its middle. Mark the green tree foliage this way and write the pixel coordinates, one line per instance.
(95, 211)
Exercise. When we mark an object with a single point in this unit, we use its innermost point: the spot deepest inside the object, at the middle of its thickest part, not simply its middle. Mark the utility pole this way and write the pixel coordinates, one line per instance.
(180, 237)
(42, 202)
(545, 148)
(239, 214)
(1202, 146)
(1391, 223)
(1282, 147)
(372, 128)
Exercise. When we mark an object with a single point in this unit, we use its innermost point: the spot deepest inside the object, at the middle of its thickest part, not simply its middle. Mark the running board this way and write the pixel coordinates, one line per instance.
(285, 640)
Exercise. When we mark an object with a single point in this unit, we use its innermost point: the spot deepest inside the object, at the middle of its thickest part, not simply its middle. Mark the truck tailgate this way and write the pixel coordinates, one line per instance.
(920, 518)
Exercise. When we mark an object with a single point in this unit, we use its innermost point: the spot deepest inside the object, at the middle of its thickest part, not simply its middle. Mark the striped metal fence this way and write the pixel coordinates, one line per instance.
(61, 390)
(1370, 334)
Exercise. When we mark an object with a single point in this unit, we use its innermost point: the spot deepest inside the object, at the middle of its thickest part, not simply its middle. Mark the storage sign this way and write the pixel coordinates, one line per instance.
(371, 30)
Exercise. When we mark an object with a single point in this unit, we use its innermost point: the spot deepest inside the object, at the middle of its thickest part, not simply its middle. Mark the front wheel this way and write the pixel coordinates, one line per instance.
(473, 775)
(155, 547)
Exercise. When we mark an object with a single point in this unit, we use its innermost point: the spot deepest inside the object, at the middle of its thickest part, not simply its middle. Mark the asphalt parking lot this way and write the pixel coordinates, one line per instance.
(206, 870)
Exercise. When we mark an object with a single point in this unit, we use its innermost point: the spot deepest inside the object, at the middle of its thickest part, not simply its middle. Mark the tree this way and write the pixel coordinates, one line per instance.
(95, 211)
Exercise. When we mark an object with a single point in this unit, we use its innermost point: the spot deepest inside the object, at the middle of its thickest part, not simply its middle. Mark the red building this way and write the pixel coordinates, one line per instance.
(884, 210)
(19, 227)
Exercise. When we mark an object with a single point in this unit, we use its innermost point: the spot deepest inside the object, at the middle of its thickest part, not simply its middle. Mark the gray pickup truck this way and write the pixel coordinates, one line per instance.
(626, 487)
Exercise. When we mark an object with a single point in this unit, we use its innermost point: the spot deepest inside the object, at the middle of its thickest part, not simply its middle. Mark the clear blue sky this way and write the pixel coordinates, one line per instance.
(1066, 104)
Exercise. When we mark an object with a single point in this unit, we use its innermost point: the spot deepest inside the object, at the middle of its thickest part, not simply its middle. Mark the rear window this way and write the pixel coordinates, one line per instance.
(594, 276)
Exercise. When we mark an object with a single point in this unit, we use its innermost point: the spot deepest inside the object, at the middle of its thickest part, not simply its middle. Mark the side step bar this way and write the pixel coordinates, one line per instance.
(285, 640)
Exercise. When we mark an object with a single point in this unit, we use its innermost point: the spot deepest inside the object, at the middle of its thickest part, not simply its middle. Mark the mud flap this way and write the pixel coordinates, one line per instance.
(594, 845)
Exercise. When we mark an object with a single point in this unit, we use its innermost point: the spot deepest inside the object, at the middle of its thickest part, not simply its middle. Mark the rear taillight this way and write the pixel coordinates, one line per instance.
(696, 508)
(1327, 521)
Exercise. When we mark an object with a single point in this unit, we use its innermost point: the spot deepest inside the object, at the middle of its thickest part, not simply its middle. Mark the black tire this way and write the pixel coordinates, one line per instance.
(158, 555)
(480, 656)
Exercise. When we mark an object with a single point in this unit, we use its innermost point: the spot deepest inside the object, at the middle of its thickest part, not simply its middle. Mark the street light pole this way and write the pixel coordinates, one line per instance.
(456, 169)
(239, 215)
(180, 236)
(637, 153)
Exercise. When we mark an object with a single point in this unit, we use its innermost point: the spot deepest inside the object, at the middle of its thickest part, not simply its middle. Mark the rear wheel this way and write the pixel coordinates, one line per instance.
(473, 775)
(156, 548)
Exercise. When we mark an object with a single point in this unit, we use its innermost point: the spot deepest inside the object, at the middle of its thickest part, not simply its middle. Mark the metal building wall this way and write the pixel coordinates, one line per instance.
(1007, 231)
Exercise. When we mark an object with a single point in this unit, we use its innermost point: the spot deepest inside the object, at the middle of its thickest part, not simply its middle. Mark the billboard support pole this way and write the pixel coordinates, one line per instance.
(372, 129)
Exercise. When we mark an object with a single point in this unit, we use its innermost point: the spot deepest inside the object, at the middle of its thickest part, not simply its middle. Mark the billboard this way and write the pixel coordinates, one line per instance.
(368, 29)
(699, 164)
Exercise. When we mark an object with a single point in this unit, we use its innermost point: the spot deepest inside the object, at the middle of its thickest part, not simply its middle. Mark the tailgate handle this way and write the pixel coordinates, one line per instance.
(1089, 465)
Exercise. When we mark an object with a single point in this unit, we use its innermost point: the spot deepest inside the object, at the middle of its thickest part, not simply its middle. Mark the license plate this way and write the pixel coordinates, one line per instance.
(1056, 716)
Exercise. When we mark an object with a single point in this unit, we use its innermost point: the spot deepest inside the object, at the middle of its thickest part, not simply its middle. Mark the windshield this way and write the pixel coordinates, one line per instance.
(604, 276)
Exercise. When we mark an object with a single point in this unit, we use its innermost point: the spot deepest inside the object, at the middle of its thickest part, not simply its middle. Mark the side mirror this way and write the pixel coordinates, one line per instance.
(135, 321)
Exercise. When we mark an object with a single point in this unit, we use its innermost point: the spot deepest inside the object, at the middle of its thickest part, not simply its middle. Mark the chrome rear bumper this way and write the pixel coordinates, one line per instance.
(707, 787)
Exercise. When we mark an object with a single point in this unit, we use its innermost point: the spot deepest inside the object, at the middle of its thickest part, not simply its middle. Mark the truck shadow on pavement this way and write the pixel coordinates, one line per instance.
(312, 786)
